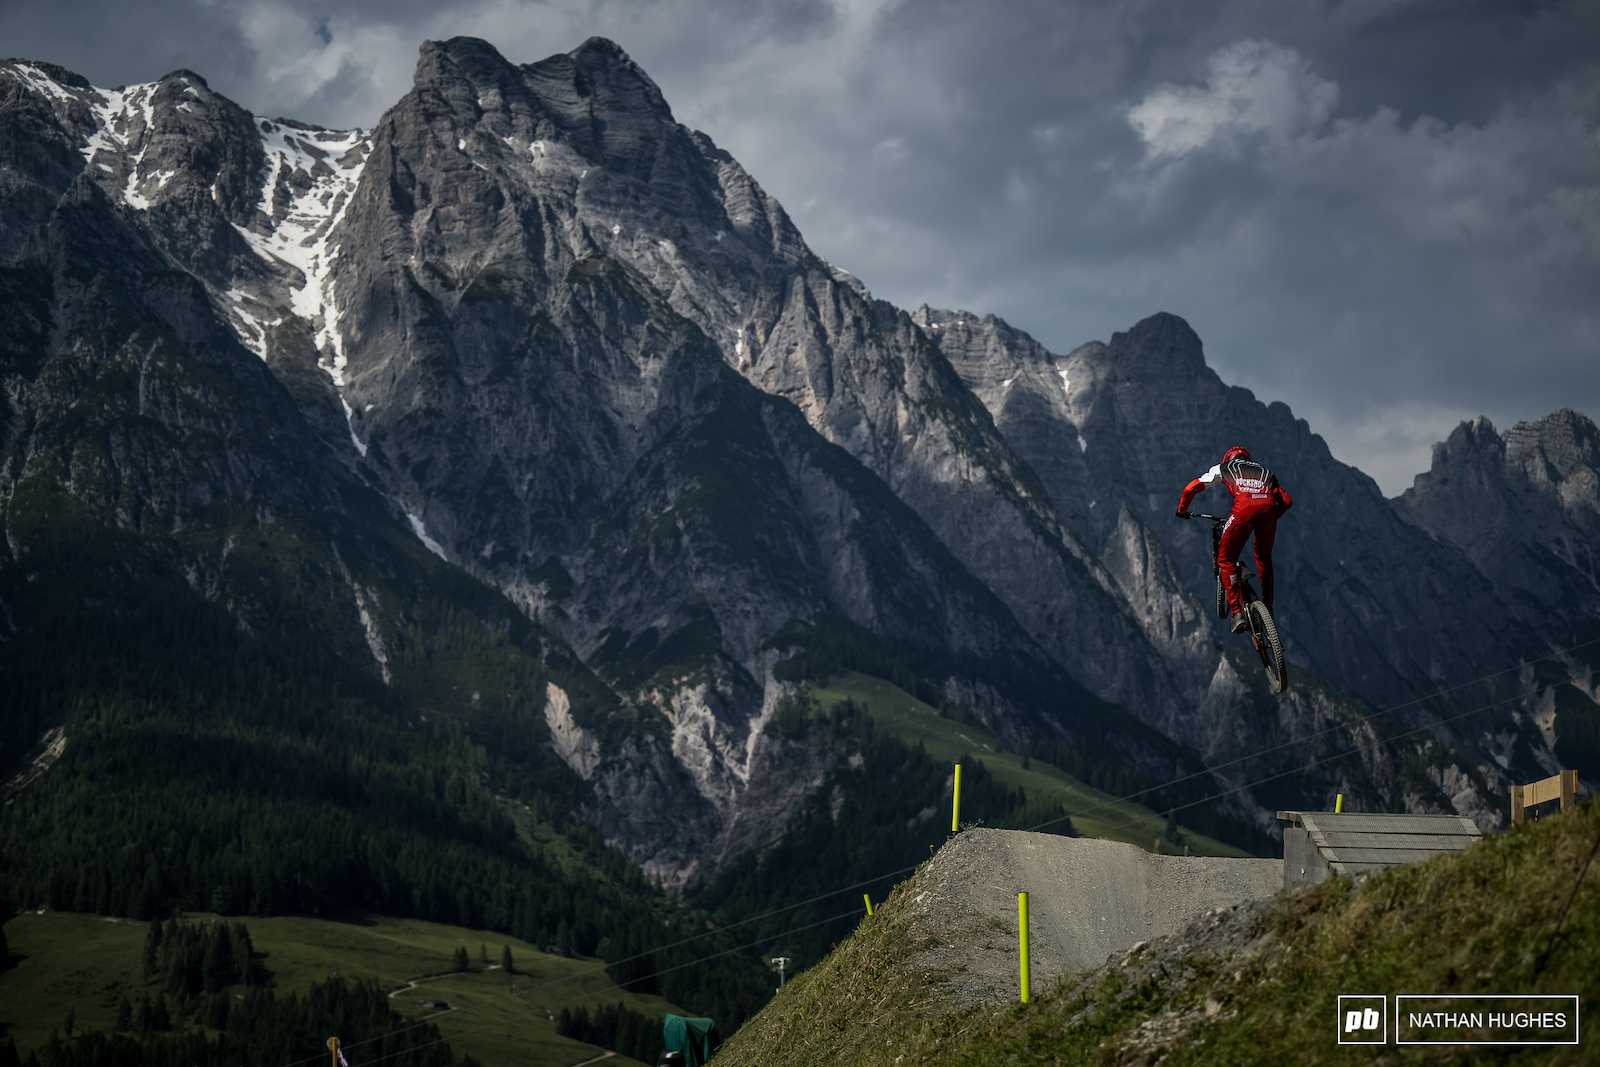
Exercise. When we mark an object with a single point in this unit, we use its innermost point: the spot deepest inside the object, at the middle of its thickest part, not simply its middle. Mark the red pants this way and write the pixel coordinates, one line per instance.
(1264, 524)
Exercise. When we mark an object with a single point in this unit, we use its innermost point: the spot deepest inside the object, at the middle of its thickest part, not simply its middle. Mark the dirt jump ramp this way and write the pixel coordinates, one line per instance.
(1087, 899)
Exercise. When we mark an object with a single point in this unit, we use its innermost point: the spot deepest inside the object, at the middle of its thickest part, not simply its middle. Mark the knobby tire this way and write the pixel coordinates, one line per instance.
(1267, 643)
(1222, 599)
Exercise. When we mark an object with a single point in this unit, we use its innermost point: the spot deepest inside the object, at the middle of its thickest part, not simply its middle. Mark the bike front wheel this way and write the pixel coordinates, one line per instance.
(1265, 634)
(1222, 598)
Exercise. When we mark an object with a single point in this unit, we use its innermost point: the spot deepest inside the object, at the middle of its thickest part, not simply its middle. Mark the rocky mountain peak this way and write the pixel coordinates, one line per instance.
(594, 99)
(1521, 504)
(1559, 453)
(1160, 347)
(1474, 449)
(584, 356)
(1553, 459)
(184, 77)
(58, 74)
(603, 63)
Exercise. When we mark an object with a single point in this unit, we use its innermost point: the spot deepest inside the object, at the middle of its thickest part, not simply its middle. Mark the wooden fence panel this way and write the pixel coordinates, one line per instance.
(1562, 787)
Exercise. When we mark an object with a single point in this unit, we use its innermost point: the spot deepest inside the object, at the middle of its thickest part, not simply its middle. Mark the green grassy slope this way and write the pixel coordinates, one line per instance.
(67, 962)
(1094, 812)
(1475, 922)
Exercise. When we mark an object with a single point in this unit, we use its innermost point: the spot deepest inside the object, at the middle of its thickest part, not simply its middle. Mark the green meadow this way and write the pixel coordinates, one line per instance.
(66, 962)
(1094, 813)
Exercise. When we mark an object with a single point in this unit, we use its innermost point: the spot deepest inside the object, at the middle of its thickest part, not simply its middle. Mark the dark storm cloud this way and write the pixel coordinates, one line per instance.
(1384, 212)
(120, 43)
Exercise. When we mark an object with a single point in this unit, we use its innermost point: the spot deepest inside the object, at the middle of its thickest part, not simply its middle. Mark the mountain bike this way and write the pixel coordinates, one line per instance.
(1263, 631)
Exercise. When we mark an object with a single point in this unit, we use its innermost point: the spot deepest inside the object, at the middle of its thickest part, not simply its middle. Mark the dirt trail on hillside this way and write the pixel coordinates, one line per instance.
(1087, 899)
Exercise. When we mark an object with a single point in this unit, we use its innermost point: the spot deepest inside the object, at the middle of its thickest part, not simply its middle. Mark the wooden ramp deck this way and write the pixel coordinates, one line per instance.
(1320, 844)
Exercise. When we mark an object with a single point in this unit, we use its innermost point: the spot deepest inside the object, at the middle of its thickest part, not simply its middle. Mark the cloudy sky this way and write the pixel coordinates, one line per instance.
(1385, 213)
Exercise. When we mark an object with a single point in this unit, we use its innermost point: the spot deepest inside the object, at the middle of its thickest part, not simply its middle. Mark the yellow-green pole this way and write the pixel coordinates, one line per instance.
(1022, 941)
(955, 804)
(1338, 802)
(868, 899)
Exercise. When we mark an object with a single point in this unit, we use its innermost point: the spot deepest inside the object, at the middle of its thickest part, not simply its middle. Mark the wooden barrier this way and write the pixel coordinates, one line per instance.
(1562, 787)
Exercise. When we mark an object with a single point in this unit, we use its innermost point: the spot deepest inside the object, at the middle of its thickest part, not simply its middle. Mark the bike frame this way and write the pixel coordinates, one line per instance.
(1263, 630)
(1247, 592)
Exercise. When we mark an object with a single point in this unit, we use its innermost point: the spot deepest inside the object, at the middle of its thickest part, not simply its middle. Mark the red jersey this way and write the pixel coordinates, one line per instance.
(1255, 489)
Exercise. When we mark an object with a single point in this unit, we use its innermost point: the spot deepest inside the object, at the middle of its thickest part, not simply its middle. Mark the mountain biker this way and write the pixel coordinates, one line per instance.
(1258, 500)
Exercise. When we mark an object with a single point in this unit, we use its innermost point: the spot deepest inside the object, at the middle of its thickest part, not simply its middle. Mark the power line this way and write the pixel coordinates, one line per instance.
(1338, 755)
(1344, 726)
(1247, 785)
(659, 948)
(442, 1039)
(655, 974)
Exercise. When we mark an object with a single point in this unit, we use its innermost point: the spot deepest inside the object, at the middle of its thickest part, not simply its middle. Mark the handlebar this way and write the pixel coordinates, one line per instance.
(1203, 515)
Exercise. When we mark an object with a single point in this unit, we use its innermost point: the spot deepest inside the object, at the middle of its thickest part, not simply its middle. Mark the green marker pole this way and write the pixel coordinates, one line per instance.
(955, 804)
(1338, 803)
(1022, 942)
(868, 899)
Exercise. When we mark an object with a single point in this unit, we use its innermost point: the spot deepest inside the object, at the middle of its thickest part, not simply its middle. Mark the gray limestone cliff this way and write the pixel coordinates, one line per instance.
(542, 331)
(1116, 430)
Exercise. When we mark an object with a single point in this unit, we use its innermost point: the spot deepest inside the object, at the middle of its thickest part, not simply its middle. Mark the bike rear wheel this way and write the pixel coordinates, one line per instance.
(1222, 598)
(1265, 634)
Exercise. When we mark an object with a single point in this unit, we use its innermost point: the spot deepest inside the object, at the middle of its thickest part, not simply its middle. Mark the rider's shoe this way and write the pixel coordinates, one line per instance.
(1240, 623)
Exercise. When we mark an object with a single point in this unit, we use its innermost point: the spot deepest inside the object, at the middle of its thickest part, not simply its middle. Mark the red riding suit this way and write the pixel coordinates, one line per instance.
(1258, 500)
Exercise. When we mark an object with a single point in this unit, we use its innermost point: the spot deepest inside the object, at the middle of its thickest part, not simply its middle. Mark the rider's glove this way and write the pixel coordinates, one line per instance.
(1182, 513)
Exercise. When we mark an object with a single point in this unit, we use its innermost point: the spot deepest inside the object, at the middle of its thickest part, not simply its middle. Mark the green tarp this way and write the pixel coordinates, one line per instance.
(695, 1038)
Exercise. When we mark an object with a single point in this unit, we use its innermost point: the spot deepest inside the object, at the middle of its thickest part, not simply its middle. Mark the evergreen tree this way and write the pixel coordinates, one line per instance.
(263, 1028)
(243, 949)
(505, 959)
(152, 948)
(459, 960)
(217, 965)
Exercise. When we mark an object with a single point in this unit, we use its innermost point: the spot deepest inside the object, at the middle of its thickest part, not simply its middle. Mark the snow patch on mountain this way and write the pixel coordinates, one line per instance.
(311, 175)
(349, 418)
(124, 119)
(417, 528)
(40, 82)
